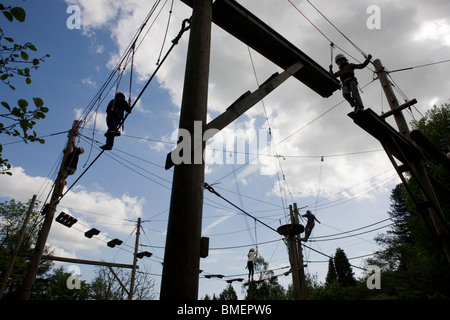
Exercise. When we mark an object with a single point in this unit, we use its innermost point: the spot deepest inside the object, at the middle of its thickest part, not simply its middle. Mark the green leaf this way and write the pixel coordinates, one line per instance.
(6, 105)
(24, 55)
(8, 16)
(18, 13)
(23, 104)
(38, 102)
(9, 39)
(27, 80)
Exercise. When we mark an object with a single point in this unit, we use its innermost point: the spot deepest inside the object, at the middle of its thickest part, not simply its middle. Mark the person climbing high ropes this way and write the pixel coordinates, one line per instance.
(70, 166)
(309, 224)
(252, 254)
(114, 117)
(349, 83)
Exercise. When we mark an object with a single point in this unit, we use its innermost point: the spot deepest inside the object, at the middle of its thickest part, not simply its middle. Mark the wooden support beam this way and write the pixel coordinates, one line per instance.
(79, 261)
(386, 134)
(239, 107)
(400, 108)
(243, 105)
(245, 26)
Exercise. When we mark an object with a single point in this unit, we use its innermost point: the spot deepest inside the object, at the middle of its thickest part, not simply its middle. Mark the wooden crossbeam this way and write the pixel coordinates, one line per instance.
(79, 261)
(245, 26)
(241, 105)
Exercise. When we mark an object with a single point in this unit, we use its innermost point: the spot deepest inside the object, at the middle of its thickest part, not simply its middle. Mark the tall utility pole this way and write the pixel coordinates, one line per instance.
(49, 215)
(133, 271)
(293, 259)
(17, 247)
(416, 167)
(182, 251)
(301, 264)
(296, 259)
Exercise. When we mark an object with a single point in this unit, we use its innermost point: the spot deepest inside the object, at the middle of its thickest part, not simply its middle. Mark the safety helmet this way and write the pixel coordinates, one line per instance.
(339, 56)
(81, 150)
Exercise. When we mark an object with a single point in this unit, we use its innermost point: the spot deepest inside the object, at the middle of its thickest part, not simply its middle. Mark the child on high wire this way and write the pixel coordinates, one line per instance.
(349, 82)
(252, 254)
(114, 117)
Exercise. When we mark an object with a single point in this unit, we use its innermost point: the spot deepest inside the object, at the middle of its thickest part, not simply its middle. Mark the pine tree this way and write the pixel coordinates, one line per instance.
(331, 274)
(344, 270)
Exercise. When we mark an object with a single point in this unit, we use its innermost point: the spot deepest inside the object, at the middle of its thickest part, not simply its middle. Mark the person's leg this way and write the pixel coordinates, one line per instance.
(355, 94)
(308, 230)
(346, 93)
(111, 133)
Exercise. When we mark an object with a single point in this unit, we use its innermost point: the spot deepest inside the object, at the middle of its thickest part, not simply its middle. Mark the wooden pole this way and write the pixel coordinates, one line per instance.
(182, 251)
(417, 167)
(293, 258)
(49, 215)
(301, 265)
(133, 271)
(17, 247)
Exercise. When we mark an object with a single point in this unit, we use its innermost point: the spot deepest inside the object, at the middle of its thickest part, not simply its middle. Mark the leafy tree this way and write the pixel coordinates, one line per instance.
(228, 293)
(106, 287)
(55, 287)
(15, 61)
(12, 214)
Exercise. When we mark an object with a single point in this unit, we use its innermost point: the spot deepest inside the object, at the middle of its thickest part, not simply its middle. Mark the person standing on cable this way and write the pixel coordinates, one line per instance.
(349, 82)
(309, 224)
(252, 254)
(114, 117)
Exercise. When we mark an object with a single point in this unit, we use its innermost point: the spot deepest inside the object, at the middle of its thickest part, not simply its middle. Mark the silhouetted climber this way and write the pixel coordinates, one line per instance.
(114, 117)
(309, 224)
(252, 254)
(349, 82)
(70, 166)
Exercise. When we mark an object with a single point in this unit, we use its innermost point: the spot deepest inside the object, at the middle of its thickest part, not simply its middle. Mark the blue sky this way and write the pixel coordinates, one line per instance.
(348, 190)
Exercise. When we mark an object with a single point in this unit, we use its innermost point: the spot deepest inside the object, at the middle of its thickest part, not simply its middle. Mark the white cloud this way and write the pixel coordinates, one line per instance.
(89, 82)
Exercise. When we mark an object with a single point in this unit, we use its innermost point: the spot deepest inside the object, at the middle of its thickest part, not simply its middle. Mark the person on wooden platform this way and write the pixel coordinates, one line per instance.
(349, 82)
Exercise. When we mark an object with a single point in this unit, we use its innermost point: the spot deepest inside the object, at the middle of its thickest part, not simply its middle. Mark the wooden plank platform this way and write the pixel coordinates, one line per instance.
(390, 138)
(245, 26)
